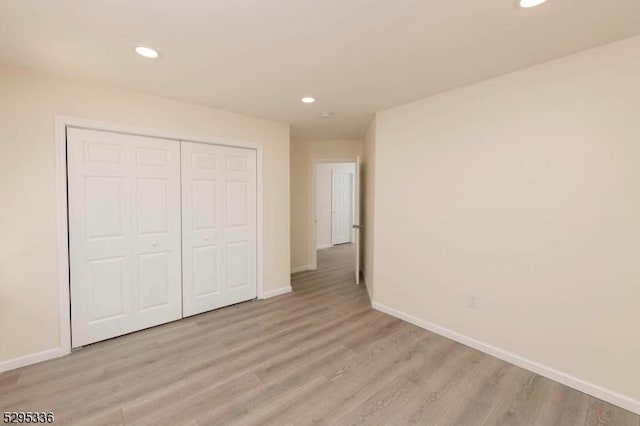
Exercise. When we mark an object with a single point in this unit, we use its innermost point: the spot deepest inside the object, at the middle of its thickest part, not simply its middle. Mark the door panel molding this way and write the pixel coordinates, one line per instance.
(61, 125)
(124, 233)
(223, 198)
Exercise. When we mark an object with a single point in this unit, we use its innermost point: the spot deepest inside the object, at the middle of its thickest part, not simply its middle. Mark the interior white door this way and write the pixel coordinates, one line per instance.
(356, 226)
(124, 233)
(340, 207)
(218, 226)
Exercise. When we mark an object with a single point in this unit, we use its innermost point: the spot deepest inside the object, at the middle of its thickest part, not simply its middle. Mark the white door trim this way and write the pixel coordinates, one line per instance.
(61, 124)
(312, 190)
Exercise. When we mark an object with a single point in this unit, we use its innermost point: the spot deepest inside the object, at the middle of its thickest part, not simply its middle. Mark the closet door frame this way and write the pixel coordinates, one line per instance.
(61, 125)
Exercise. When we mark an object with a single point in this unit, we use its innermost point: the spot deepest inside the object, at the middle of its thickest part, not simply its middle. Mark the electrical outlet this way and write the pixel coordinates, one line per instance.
(474, 302)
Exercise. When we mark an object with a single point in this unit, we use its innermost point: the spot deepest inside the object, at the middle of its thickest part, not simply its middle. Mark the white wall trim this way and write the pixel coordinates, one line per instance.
(302, 269)
(64, 298)
(259, 224)
(22, 361)
(324, 246)
(61, 124)
(276, 292)
(543, 370)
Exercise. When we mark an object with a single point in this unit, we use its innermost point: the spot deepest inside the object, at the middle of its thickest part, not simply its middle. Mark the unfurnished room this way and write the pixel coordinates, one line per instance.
(339, 212)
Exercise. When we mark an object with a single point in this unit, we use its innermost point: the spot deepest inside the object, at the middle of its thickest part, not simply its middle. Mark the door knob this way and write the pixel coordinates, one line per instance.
(358, 226)
(155, 244)
(206, 238)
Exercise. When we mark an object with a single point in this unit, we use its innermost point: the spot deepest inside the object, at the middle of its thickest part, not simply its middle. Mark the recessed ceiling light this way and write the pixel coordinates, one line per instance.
(147, 52)
(531, 3)
(308, 100)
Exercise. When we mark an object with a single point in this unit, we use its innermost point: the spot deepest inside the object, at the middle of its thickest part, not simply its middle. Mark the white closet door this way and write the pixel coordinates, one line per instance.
(218, 226)
(124, 233)
(341, 218)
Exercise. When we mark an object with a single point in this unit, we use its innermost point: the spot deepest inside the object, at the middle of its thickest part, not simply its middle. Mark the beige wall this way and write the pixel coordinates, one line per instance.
(524, 191)
(303, 154)
(368, 172)
(28, 256)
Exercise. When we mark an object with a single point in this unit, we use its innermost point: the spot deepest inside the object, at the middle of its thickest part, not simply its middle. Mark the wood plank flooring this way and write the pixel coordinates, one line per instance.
(318, 355)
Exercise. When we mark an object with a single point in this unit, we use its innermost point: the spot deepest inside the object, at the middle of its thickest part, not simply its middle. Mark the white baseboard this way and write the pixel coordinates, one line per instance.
(276, 292)
(548, 372)
(324, 246)
(302, 269)
(22, 361)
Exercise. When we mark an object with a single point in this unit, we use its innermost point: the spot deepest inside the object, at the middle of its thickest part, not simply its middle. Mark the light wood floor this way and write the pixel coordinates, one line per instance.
(317, 355)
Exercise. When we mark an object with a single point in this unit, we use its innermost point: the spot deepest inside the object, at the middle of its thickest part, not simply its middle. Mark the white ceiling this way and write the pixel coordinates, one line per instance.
(259, 57)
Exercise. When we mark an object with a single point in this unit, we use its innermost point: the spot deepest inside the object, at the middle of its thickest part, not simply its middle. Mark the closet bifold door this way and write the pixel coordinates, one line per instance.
(124, 233)
(218, 226)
